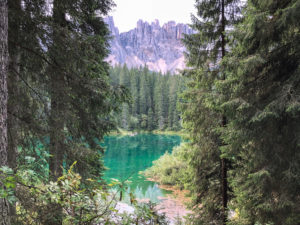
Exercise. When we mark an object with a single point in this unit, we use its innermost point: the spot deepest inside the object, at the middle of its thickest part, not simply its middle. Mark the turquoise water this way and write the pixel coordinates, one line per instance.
(125, 156)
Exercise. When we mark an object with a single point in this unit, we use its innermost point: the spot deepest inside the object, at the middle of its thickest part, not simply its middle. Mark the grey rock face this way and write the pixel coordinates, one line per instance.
(159, 48)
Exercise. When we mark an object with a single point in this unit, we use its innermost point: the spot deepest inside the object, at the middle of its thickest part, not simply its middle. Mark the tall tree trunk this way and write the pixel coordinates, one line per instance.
(4, 206)
(14, 11)
(224, 122)
(57, 138)
(13, 81)
(57, 93)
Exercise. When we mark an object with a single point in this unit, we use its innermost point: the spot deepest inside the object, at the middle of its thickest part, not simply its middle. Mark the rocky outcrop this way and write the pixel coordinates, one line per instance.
(158, 47)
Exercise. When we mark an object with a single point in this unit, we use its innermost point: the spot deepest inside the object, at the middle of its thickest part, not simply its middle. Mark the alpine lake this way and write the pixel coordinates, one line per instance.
(126, 156)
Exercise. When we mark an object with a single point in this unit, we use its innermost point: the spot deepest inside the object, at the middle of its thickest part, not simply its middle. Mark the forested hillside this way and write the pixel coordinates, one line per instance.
(154, 99)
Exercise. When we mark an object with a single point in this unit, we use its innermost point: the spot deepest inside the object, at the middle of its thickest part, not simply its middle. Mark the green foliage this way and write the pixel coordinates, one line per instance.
(60, 98)
(202, 114)
(261, 98)
(145, 214)
(7, 184)
(154, 99)
(255, 87)
(171, 168)
(38, 201)
(60, 95)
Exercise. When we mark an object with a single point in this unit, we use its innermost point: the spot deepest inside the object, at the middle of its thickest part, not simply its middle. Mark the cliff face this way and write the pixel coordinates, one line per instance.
(159, 48)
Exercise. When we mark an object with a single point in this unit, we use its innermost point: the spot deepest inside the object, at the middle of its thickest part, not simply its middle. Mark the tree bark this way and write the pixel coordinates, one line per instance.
(15, 11)
(57, 94)
(13, 82)
(4, 206)
(57, 121)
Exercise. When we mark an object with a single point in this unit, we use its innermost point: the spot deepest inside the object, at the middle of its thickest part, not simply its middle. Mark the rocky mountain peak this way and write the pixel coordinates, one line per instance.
(158, 47)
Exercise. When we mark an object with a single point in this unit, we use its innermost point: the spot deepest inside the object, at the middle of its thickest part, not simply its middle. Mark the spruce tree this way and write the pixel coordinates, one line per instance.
(58, 85)
(262, 90)
(153, 98)
(206, 47)
(28, 101)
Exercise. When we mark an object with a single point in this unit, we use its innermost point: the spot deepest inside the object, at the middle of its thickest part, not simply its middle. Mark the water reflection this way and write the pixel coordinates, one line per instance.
(127, 155)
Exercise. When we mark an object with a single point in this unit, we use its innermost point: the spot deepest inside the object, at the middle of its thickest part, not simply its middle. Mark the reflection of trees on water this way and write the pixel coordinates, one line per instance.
(150, 192)
(126, 156)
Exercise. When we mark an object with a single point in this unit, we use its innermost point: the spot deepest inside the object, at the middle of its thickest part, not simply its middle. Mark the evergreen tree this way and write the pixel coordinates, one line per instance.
(151, 123)
(58, 61)
(262, 90)
(28, 101)
(134, 91)
(153, 99)
(83, 94)
(172, 103)
(206, 48)
(125, 117)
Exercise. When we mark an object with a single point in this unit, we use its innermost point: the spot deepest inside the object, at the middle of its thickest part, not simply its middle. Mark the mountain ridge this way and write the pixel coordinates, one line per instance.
(158, 47)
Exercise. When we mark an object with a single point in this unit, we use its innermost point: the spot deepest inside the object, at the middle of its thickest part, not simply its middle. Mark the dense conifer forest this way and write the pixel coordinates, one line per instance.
(154, 102)
(238, 101)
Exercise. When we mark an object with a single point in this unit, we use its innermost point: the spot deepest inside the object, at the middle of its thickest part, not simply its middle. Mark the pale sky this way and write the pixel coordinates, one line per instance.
(128, 12)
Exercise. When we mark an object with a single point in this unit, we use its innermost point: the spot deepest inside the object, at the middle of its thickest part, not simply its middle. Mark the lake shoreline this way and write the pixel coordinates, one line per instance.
(126, 156)
(122, 132)
(173, 205)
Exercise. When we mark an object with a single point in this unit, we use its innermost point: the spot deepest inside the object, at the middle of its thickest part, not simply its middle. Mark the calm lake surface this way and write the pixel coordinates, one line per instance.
(125, 156)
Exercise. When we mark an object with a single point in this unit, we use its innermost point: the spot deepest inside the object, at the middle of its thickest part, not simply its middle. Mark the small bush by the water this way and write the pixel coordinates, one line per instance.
(171, 168)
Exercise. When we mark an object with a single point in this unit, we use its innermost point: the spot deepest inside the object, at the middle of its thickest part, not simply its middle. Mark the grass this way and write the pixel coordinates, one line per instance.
(122, 132)
(180, 133)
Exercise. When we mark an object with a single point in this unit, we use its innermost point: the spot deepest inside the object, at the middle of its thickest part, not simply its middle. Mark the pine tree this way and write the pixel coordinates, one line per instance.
(206, 48)
(27, 102)
(144, 91)
(134, 91)
(262, 90)
(81, 95)
(153, 98)
(56, 58)
(151, 124)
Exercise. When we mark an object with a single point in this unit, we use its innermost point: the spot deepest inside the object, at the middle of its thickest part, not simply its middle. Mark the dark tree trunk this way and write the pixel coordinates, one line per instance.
(13, 82)
(224, 122)
(4, 206)
(15, 12)
(57, 94)
(57, 138)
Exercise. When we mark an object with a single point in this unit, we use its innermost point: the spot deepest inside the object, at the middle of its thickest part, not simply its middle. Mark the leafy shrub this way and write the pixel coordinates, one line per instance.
(88, 204)
(171, 169)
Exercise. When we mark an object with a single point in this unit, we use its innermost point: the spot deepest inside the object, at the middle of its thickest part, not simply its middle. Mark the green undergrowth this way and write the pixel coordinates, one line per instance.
(69, 201)
(171, 168)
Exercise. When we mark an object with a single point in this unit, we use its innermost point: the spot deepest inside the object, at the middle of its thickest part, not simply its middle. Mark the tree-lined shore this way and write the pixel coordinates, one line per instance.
(154, 99)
